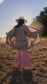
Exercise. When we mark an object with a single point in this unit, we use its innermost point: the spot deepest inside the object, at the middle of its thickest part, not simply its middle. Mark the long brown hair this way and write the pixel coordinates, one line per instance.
(20, 22)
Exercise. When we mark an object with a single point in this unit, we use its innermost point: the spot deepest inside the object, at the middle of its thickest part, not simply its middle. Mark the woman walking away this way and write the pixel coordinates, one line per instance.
(21, 32)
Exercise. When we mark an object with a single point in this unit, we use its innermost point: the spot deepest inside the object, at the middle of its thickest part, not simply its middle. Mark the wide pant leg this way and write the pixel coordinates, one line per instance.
(25, 61)
(18, 59)
(22, 58)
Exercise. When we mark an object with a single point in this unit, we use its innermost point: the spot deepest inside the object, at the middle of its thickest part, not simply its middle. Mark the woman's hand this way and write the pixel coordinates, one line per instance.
(38, 31)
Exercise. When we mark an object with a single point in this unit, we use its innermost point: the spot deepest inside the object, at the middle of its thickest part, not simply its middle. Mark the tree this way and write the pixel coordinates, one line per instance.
(42, 18)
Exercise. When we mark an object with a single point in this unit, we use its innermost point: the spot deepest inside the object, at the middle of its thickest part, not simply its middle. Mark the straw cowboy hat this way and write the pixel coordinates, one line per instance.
(21, 18)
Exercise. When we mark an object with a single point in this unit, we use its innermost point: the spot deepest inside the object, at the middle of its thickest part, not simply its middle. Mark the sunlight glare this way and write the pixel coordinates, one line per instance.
(1, 1)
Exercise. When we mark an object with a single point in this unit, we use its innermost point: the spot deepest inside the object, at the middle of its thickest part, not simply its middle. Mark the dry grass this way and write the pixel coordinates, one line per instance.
(35, 74)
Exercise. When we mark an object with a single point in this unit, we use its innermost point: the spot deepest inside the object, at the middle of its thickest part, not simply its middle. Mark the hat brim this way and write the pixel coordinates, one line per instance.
(25, 21)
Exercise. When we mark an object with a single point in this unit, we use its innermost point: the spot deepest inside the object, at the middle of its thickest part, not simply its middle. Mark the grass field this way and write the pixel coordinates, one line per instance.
(44, 39)
(35, 74)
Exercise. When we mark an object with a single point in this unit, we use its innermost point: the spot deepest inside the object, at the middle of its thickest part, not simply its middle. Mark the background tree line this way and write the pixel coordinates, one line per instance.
(42, 18)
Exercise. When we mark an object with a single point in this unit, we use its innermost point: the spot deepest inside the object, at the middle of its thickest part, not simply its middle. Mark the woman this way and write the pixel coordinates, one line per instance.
(21, 31)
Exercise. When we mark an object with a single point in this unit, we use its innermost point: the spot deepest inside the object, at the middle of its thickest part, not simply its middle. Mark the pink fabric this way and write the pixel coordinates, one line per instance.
(22, 58)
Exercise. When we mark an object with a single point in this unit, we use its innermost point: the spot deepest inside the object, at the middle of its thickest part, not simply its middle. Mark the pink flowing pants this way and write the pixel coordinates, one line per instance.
(22, 58)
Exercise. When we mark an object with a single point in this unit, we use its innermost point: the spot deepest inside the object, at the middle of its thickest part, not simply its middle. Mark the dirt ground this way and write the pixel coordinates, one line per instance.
(35, 74)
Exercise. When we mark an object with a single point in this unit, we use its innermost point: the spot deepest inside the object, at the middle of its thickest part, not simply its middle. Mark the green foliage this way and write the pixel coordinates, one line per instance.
(42, 18)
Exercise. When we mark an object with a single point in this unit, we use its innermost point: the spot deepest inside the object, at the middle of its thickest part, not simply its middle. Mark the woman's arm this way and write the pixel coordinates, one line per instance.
(9, 36)
(7, 40)
(11, 33)
(29, 33)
